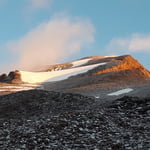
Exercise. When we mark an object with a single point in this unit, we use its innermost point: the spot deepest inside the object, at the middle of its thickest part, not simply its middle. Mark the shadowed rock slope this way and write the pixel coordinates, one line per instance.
(51, 120)
(35, 102)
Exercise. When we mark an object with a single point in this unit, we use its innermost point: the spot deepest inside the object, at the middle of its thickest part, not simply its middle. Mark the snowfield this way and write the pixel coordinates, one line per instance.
(123, 91)
(80, 62)
(40, 77)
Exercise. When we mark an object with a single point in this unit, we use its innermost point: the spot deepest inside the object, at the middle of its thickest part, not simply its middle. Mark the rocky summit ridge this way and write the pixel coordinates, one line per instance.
(126, 63)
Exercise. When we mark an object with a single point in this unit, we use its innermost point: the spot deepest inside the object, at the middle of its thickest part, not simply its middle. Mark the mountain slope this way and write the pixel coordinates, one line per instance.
(106, 119)
(117, 72)
(51, 120)
(86, 76)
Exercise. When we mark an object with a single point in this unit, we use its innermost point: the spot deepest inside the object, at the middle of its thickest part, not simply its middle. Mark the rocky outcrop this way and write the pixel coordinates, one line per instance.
(3, 78)
(12, 77)
(53, 67)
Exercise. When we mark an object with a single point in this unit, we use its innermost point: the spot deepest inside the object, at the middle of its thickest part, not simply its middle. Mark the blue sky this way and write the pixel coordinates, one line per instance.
(39, 32)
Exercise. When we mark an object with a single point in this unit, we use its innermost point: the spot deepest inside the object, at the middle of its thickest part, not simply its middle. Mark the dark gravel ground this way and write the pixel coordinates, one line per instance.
(41, 120)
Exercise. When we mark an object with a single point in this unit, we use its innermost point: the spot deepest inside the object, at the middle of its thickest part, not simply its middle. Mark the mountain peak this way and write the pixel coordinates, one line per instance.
(126, 62)
(113, 66)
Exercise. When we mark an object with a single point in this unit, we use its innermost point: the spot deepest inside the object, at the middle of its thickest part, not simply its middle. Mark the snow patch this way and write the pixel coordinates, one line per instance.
(123, 91)
(80, 62)
(97, 97)
(39, 77)
(110, 56)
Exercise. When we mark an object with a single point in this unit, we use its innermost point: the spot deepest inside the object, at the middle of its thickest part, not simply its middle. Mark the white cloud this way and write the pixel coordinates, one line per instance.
(132, 44)
(35, 4)
(140, 43)
(52, 41)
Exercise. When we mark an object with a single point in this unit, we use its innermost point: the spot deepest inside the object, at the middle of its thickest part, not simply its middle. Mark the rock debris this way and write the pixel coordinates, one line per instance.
(41, 120)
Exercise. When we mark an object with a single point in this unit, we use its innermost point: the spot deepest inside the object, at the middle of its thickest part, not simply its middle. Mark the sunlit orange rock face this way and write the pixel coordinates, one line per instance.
(126, 63)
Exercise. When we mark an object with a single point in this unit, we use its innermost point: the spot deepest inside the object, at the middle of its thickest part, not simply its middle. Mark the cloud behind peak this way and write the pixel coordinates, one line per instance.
(52, 41)
(132, 44)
